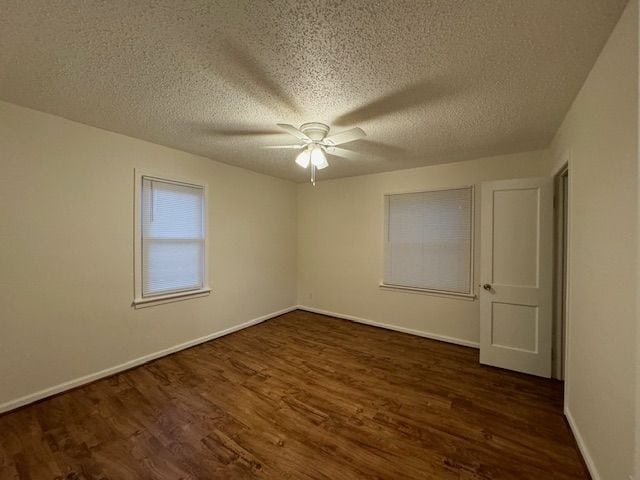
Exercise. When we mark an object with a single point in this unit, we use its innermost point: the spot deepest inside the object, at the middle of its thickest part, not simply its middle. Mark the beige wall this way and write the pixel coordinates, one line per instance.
(66, 256)
(599, 137)
(340, 245)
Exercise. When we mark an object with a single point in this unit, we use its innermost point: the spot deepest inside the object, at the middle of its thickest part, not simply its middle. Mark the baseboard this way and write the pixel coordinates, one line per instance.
(419, 333)
(47, 392)
(591, 466)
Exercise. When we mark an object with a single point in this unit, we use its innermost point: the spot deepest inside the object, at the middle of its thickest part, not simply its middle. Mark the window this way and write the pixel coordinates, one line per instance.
(171, 245)
(429, 240)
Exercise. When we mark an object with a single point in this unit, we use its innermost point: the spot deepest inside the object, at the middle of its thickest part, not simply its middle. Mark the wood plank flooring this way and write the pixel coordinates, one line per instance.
(302, 396)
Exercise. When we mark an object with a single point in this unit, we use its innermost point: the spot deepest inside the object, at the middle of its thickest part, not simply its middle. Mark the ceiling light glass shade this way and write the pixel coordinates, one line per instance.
(303, 158)
(318, 159)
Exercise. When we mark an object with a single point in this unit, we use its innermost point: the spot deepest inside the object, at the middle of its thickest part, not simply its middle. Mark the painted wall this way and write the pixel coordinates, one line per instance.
(66, 256)
(599, 138)
(340, 245)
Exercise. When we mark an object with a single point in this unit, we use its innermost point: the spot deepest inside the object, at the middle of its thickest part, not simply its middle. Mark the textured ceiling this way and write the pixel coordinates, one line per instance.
(429, 81)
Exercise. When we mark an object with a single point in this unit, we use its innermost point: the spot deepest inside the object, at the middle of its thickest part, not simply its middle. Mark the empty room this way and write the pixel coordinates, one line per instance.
(319, 239)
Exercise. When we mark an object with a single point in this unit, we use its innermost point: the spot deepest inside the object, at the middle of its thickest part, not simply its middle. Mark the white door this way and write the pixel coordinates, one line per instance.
(516, 266)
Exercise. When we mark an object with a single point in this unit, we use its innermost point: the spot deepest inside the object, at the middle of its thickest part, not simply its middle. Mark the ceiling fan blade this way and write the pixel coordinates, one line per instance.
(345, 137)
(283, 146)
(293, 131)
(344, 153)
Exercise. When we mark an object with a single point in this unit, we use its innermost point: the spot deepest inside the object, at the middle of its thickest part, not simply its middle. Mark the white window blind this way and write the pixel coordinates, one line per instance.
(173, 237)
(428, 240)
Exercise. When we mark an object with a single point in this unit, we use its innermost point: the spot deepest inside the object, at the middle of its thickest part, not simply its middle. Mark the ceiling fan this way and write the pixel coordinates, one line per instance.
(315, 144)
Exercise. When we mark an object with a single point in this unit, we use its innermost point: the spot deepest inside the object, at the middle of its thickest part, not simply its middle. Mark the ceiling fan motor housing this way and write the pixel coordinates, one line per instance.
(314, 130)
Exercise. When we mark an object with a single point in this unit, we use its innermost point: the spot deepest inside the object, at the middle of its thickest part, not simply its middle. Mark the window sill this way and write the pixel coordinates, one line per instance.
(172, 297)
(425, 291)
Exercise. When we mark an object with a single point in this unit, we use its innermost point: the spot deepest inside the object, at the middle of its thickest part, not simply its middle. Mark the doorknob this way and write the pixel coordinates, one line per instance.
(487, 286)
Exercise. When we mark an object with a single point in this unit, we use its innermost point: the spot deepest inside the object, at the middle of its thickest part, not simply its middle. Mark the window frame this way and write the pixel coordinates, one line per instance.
(471, 295)
(139, 299)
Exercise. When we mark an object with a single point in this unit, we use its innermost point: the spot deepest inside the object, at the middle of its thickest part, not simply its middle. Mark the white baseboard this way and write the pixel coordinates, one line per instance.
(420, 333)
(47, 392)
(591, 466)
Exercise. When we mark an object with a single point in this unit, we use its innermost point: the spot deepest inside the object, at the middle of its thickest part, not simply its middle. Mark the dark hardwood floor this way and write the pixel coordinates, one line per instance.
(300, 396)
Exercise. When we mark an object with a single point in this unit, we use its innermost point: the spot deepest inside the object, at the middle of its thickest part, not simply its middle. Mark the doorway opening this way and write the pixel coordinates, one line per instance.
(561, 210)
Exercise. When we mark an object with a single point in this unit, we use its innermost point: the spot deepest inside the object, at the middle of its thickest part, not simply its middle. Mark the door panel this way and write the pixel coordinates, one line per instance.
(515, 246)
(516, 269)
(514, 326)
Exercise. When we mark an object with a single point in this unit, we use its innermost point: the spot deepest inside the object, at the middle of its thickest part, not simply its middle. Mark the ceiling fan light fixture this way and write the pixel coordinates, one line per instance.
(318, 158)
(303, 158)
(315, 143)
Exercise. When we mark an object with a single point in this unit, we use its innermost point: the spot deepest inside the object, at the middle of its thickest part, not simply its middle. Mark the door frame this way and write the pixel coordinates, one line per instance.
(564, 161)
(560, 273)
